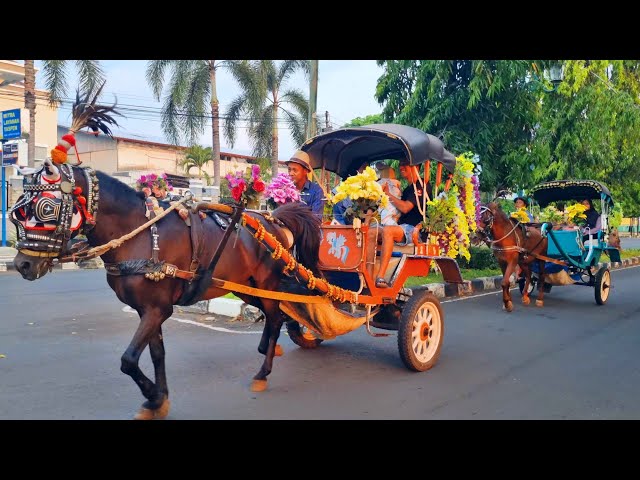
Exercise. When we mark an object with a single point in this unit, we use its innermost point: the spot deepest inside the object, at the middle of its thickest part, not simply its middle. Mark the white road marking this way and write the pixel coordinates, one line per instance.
(128, 309)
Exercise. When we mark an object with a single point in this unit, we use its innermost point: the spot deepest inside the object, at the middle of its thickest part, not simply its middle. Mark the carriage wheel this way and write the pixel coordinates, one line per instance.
(602, 285)
(421, 331)
(301, 335)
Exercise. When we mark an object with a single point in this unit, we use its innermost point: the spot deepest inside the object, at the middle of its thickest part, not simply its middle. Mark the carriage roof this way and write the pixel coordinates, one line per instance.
(558, 190)
(342, 151)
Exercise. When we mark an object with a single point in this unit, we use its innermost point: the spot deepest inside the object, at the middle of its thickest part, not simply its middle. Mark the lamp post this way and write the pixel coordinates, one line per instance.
(555, 76)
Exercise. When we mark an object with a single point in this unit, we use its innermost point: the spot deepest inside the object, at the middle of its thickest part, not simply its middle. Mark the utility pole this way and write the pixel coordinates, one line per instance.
(327, 125)
(313, 100)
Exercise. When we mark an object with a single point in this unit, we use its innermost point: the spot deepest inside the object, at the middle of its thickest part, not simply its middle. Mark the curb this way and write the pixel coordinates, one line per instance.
(232, 308)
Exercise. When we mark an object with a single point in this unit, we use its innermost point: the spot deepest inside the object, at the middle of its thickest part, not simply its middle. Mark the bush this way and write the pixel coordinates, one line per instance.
(481, 259)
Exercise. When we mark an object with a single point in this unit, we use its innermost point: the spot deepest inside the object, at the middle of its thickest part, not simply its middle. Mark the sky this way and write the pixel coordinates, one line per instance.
(346, 90)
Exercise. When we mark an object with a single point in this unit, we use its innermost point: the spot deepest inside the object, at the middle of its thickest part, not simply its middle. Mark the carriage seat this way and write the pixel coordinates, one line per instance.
(595, 234)
(396, 256)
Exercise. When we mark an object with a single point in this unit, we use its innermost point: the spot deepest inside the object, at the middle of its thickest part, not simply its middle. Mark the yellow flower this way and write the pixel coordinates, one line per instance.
(520, 215)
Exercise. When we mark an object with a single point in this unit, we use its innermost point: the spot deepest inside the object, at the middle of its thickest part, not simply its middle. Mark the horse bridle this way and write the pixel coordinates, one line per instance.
(486, 232)
(60, 211)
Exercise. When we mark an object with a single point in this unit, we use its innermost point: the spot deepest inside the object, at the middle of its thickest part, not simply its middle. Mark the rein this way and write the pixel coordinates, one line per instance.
(492, 242)
(117, 242)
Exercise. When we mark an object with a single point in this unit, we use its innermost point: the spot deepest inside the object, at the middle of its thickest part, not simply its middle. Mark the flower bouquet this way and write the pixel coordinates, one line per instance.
(551, 214)
(520, 215)
(453, 214)
(246, 187)
(365, 193)
(281, 190)
(574, 214)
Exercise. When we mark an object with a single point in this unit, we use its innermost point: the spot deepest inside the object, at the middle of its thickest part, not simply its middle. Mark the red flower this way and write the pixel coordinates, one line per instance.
(236, 192)
(258, 185)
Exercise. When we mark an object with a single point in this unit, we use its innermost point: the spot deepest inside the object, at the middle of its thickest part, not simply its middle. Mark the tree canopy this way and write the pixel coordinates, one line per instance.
(499, 110)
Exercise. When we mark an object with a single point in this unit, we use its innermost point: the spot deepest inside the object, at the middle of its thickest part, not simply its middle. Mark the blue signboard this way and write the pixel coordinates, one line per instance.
(10, 124)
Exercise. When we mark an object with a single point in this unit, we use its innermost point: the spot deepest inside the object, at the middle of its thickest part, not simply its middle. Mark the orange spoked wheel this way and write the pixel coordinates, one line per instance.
(421, 331)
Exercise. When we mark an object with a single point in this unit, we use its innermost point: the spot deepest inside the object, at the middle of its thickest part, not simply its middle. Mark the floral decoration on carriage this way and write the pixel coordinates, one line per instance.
(280, 191)
(571, 215)
(365, 193)
(246, 187)
(452, 215)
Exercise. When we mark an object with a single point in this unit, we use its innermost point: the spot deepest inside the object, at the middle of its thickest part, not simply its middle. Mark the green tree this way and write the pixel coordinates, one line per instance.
(192, 89)
(196, 156)
(55, 73)
(263, 99)
(523, 135)
(368, 120)
(591, 129)
(473, 105)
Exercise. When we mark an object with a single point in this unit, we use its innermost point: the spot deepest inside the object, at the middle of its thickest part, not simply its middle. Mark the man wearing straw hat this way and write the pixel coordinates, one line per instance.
(299, 168)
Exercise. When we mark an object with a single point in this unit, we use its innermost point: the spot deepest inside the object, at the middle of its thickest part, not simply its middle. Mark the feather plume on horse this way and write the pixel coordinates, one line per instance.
(86, 113)
(154, 264)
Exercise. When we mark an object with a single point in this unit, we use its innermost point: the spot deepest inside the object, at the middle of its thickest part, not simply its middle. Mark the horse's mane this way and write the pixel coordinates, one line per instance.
(305, 227)
(127, 198)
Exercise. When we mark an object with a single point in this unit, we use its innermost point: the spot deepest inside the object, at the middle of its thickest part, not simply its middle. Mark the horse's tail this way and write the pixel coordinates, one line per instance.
(305, 227)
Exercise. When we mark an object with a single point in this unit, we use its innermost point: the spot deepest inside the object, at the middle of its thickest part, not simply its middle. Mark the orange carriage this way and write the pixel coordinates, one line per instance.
(348, 253)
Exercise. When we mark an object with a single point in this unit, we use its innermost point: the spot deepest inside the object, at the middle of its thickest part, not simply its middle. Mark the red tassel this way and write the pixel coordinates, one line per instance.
(70, 139)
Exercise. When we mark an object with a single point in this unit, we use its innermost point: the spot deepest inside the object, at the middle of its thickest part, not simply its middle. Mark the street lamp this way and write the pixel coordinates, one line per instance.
(555, 77)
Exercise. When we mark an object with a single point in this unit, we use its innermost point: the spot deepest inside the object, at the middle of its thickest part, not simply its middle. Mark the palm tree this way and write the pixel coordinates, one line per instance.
(91, 75)
(262, 99)
(197, 156)
(192, 85)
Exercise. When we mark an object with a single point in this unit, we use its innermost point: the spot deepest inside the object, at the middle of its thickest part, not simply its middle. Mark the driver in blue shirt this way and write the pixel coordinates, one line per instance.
(311, 193)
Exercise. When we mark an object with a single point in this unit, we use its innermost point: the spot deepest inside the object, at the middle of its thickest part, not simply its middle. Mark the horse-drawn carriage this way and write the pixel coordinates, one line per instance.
(272, 261)
(575, 252)
(349, 253)
(549, 254)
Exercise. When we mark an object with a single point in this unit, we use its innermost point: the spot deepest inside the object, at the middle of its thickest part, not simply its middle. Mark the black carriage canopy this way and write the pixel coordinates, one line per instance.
(559, 190)
(342, 151)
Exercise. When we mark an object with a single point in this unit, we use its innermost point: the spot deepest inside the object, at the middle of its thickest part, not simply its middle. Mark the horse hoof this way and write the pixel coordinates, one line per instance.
(258, 385)
(279, 351)
(150, 414)
(539, 303)
(526, 300)
(508, 306)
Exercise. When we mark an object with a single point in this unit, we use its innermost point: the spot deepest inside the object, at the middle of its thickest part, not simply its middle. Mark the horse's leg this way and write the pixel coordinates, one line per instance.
(264, 342)
(527, 281)
(268, 343)
(149, 332)
(506, 282)
(540, 299)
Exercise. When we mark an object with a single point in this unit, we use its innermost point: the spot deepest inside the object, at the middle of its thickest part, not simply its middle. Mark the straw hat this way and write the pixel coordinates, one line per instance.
(301, 158)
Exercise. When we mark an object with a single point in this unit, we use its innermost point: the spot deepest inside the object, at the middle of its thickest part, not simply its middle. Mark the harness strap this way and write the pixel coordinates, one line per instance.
(548, 259)
(258, 292)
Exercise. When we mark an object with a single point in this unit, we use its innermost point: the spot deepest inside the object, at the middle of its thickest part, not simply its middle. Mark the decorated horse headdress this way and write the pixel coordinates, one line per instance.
(52, 208)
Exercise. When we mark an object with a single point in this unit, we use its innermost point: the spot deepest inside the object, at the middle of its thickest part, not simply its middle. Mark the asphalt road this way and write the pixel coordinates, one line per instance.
(62, 338)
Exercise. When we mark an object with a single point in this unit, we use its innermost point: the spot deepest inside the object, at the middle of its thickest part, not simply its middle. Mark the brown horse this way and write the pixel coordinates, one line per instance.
(156, 269)
(513, 244)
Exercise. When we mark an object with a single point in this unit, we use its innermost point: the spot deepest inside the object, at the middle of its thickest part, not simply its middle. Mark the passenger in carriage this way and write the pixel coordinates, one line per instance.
(592, 222)
(410, 206)
(521, 202)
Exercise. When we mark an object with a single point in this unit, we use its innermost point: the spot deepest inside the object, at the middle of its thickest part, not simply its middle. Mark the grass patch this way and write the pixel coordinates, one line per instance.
(629, 253)
(467, 274)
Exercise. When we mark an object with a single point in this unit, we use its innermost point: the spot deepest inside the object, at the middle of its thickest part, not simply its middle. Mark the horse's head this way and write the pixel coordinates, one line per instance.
(53, 209)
